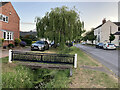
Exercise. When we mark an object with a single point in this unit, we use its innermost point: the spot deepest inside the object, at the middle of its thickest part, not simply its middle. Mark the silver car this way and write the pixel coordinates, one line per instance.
(40, 45)
(109, 46)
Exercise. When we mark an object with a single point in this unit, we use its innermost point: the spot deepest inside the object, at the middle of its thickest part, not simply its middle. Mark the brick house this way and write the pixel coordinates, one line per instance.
(9, 23)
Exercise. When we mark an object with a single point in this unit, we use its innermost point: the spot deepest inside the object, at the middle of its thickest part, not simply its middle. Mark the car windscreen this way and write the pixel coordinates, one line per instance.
(110, 44)
(101, 44)
(39, 42)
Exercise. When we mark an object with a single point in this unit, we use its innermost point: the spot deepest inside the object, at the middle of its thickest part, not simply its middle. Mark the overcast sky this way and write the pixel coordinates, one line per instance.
(92, 13)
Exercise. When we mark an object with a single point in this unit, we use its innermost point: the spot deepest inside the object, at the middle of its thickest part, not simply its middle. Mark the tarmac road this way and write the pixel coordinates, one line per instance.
(109, 58)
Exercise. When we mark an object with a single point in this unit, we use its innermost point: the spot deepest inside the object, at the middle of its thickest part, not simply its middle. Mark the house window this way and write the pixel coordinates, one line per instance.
(99, 31)
(98, 38)
(11, 36)
(8, 35)
(4, 35)
(118, 28)
(6, 19)
(3, 18)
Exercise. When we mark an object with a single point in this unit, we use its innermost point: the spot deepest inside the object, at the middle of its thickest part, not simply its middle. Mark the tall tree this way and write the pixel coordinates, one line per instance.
(90, 35)
(60, 25)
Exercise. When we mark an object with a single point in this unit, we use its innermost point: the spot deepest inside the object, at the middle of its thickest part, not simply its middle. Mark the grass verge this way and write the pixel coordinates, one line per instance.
(15, 76)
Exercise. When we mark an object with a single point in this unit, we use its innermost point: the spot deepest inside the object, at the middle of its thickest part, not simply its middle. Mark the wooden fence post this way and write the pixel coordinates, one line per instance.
(10, 56)
(75, 61)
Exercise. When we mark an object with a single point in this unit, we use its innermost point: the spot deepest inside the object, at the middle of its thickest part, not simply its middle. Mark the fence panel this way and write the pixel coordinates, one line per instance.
(43, 57)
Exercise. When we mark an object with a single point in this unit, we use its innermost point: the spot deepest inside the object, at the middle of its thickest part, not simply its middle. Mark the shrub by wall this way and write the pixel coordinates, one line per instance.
(17, 41)
(28, 41)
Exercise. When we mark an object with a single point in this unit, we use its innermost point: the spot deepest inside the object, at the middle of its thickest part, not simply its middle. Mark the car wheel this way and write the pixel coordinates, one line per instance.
(48, 48)
(43, 49)
(31, 49)
(104, 48)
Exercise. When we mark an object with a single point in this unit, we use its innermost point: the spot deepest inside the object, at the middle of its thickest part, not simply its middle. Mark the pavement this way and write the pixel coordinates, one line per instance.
(109, 58)
(5, 52)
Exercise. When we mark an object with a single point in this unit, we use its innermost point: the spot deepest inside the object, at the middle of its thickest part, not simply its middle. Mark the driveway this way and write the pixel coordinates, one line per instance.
(109, 58)
(5, 52)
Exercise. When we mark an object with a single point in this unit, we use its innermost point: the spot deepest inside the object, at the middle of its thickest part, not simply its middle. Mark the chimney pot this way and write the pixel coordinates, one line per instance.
(104, 21)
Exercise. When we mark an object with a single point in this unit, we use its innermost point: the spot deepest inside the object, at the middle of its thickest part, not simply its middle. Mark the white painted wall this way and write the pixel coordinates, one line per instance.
(105, 32)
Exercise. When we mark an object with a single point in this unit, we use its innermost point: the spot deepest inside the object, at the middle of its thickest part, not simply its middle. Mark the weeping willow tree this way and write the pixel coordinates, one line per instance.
(60, 25)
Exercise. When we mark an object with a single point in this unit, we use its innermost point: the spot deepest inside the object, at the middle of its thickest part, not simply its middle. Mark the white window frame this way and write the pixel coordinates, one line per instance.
(10, 35)
(5, 33)
(4, 16)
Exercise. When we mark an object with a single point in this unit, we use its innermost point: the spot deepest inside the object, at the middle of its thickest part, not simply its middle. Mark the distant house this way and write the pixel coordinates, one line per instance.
(104, 30)
(9, 21)
(22, 34)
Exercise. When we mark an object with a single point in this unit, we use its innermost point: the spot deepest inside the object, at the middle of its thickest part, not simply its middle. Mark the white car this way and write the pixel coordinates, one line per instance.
(83, 43)
(109, 46)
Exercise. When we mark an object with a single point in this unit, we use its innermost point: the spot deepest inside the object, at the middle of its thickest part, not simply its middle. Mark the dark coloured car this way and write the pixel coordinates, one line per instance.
(99, 45)
(40, 45)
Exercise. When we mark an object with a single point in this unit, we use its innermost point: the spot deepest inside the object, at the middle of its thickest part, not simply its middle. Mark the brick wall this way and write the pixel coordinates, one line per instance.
(13, 21)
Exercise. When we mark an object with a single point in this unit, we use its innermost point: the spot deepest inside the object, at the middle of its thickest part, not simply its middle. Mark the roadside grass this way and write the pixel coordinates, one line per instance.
(17, 76)
(61, 80)
(86, 78)
(83, 59)
(118, 48)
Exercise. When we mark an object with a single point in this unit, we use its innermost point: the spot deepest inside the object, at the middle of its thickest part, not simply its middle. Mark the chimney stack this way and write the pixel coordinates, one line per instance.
(104, 21)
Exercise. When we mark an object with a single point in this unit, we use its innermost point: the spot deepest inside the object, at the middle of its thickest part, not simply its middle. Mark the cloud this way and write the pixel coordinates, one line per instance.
(27, 27)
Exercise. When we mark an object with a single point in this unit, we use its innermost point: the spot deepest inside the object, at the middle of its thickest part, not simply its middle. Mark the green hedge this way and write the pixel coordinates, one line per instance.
(28, 41)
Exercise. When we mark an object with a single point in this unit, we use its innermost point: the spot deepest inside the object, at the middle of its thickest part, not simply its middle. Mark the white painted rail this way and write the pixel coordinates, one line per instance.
(10, 56)
(75, 61)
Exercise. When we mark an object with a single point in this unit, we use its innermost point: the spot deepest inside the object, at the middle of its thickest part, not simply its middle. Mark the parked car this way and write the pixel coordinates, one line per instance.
(40, 45)
(99, 45)
(52, 43)
(109, 46)
(83, 43)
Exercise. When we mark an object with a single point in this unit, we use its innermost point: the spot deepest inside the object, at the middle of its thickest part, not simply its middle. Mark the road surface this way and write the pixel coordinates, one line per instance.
(109, 58)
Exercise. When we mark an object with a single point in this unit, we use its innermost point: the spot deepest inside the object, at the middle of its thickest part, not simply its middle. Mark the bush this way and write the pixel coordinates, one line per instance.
(11, 46)
(28, 41)
(22, 43)
(69, 44)
(1, 41)
(17, 41)
(19, 77)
